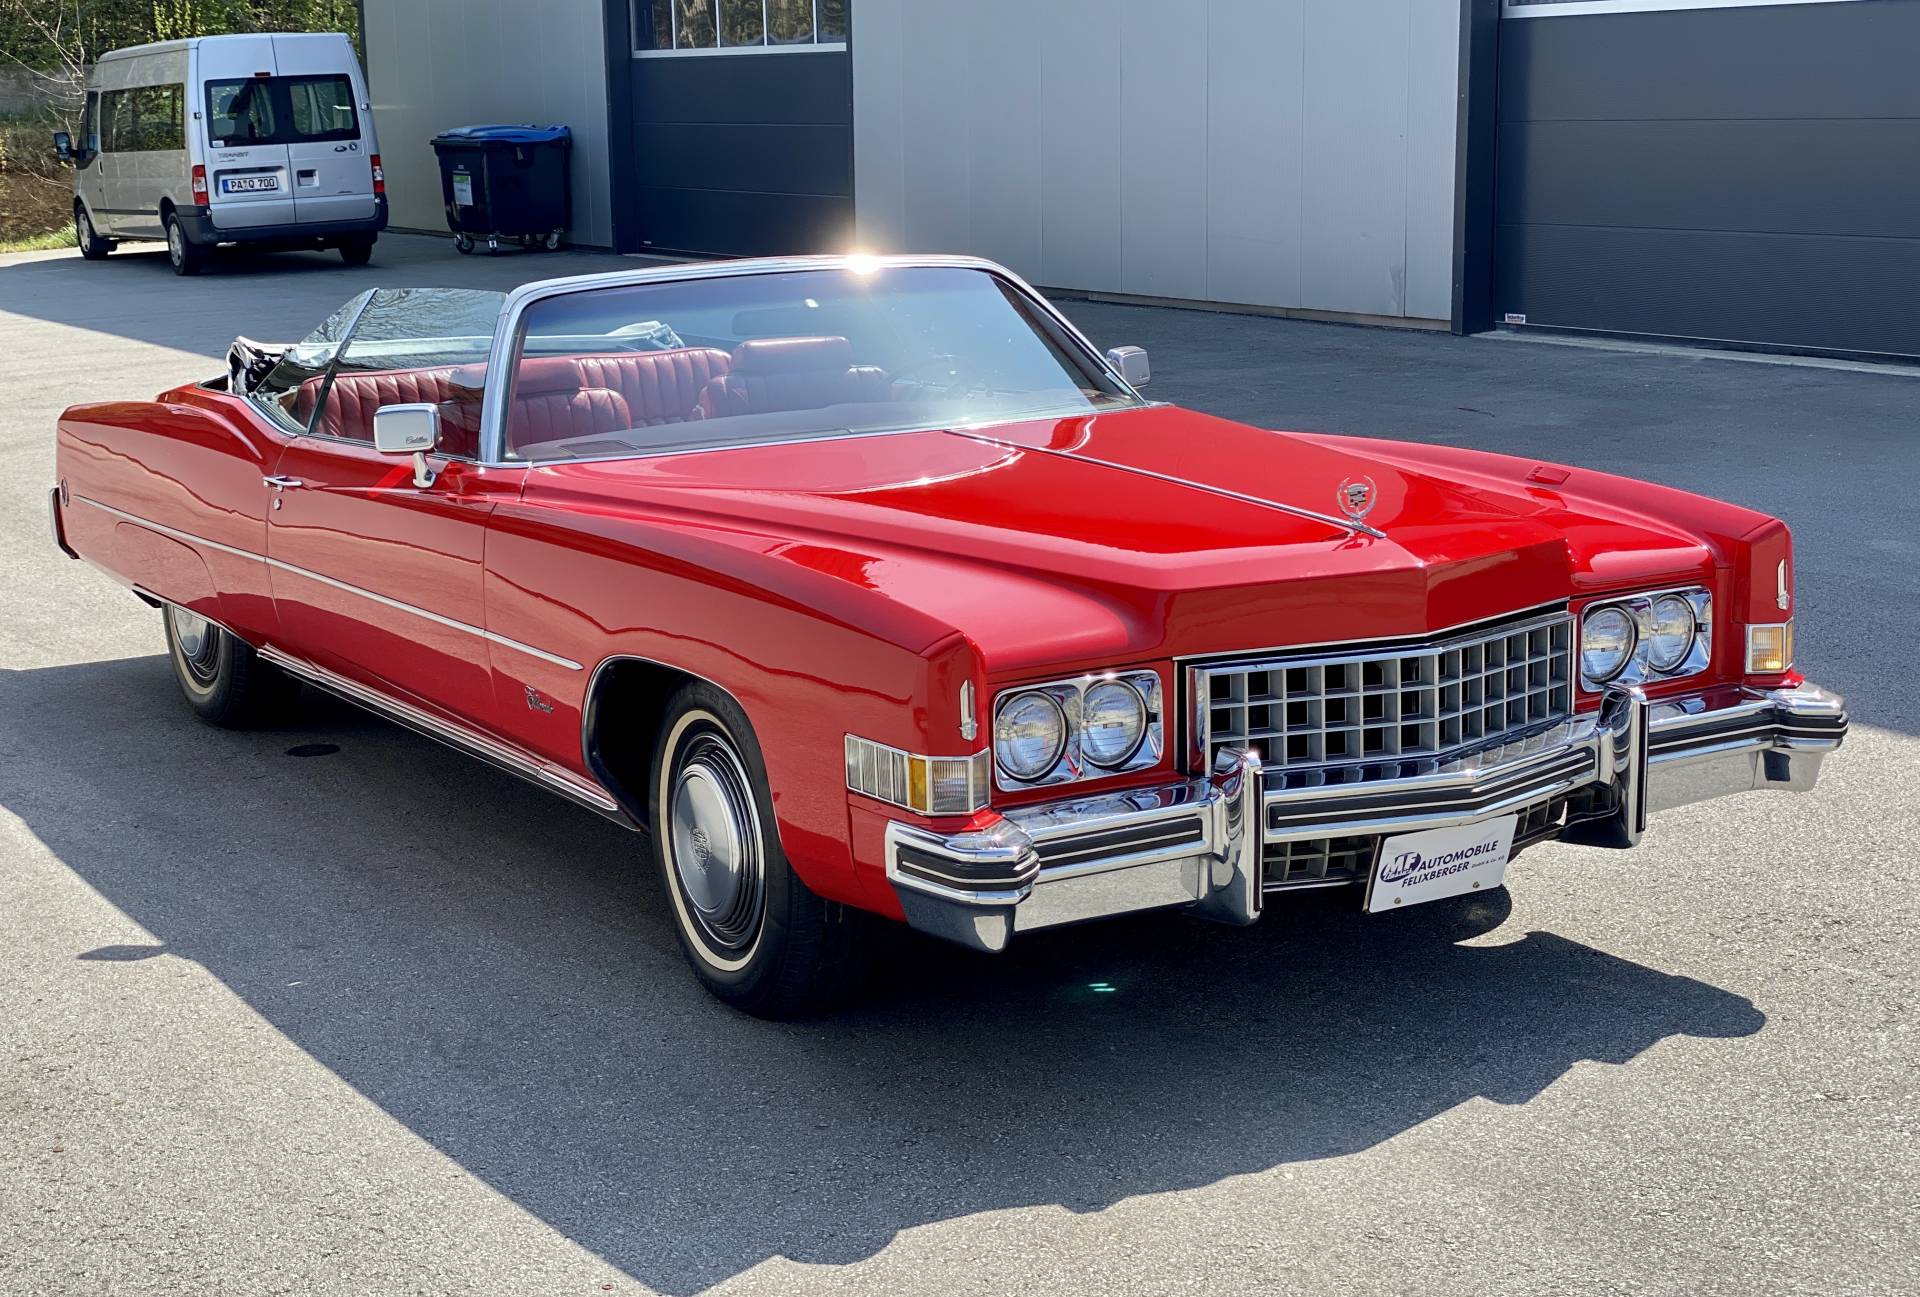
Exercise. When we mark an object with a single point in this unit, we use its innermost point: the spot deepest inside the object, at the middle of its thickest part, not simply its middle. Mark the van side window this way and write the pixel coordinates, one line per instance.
(116, 121)
(159, 119)
(90, 123)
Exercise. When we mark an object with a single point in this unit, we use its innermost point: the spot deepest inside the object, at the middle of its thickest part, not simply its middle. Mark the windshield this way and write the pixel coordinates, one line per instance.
(647, 368)
(281, 110)
(384, 347)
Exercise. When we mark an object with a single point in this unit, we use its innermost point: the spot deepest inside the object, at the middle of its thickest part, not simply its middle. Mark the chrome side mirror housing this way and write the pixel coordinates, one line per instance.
(412, 429)
(1131, 363)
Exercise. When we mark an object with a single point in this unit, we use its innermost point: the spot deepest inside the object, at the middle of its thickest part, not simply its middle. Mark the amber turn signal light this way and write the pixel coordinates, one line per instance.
(1769, 649)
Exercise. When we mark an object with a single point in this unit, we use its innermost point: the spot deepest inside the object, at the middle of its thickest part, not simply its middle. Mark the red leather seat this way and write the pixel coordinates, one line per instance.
(659, 386)
(550, 403)
(554, 398)
(354, 397)
(772, 374)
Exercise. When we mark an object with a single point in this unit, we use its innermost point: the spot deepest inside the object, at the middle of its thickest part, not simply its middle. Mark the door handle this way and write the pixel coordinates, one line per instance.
(281, 483)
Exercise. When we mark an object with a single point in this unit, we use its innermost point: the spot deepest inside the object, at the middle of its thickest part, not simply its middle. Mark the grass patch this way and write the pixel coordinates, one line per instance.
(60, 238)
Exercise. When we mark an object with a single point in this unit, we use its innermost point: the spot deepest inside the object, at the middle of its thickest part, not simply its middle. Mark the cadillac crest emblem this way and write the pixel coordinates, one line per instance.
(1357, 495)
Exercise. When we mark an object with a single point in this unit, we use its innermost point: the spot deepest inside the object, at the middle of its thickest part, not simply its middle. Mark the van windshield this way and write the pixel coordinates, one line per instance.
(281, 110)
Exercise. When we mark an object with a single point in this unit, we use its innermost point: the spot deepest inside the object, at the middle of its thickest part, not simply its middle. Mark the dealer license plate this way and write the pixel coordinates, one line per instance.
(1418, 867)
(248, 184)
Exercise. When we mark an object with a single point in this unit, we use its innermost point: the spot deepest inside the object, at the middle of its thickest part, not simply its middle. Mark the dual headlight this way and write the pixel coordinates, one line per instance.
(1646, 637)
(1077, 729)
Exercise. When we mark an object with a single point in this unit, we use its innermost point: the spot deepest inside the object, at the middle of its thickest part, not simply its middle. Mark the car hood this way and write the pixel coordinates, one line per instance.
(1139, 534)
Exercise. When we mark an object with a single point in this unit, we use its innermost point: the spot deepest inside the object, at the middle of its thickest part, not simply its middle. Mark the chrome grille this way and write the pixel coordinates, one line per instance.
(1317, 708)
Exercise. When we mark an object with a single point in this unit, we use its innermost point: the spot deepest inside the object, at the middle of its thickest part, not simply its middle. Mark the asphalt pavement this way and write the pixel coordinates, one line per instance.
(381, 1020)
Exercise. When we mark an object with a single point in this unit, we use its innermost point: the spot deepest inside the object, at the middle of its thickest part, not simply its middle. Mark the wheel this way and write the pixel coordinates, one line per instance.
(552, 242)
(188, 258)
(92, 246)
(755, 935)
(357, 252)
(224, 680)
(463, 243)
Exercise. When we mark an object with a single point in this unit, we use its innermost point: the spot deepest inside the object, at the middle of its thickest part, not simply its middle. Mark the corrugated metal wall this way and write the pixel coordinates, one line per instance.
(1281, 153)
(1747, 174)
(432, 64)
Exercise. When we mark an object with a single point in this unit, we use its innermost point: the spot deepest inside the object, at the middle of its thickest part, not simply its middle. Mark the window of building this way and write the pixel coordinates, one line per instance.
(673, 27)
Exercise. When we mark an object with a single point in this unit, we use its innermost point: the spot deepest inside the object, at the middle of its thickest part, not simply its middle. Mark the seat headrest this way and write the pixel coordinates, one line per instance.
(548, 374)
(792, 355)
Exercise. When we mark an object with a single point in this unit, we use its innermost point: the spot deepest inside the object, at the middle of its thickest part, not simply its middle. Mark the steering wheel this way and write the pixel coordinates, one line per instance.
(951, 376)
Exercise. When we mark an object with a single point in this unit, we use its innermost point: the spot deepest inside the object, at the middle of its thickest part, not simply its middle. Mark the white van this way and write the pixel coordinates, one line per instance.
(264, 139)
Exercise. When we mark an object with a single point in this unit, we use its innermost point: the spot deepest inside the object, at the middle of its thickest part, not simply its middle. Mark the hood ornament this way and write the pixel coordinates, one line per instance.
(1357, 497)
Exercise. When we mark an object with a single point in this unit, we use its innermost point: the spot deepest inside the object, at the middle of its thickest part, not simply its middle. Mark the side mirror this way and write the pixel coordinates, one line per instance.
(1132, 364)
(408, 430)
(63, 146)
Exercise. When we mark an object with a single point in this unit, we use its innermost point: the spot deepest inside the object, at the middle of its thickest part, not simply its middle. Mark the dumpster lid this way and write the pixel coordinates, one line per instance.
(505, 134)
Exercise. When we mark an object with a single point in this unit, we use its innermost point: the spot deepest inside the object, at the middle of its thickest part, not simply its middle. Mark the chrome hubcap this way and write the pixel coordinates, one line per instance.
(199, 646)
(176, 246)
(715, 835)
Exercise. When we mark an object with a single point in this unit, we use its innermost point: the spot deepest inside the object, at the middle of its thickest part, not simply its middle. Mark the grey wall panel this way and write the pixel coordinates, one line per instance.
(1808, 291)
(431, 66)
(1256, 106)
(1354, 234)
(1079, 146)
(1744, 174)
(1204, 149)
(934, 114)
(1003, 164)
(1433, 120)
(1164, 158)
(1816, 60)
(1825, 176)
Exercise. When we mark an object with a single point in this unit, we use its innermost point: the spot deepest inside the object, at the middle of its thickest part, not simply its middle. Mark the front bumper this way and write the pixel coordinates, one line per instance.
(1204, 845)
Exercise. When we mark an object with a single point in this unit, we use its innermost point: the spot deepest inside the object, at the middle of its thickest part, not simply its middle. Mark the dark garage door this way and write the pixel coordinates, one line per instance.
(1746, 173)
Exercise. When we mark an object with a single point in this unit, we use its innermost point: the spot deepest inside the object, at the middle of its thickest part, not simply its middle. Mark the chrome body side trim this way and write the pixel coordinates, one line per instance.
(53, 523)
(455, 735)
(1199, 845)
(426, 615)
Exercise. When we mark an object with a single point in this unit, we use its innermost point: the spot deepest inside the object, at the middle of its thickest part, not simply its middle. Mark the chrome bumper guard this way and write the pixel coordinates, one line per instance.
(1198, 844)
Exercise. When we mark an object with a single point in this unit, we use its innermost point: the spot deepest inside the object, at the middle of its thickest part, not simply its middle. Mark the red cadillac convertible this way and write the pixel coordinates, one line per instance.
(869, 587)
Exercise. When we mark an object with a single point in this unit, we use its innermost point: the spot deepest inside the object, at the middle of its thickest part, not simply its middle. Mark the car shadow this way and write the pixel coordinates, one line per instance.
(494, 971)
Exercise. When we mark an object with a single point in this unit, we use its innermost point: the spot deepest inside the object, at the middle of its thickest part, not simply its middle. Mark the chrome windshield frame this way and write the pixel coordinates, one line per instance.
(506, 338)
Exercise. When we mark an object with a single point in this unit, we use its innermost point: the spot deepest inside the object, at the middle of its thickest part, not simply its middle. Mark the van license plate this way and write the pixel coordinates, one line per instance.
(1418, 867)
(248, 184)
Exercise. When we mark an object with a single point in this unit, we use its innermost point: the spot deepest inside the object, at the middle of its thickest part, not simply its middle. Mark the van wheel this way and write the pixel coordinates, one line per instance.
(358, 252)
(188, 258)
(756, 936)
(224, 680)
(92, 246)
